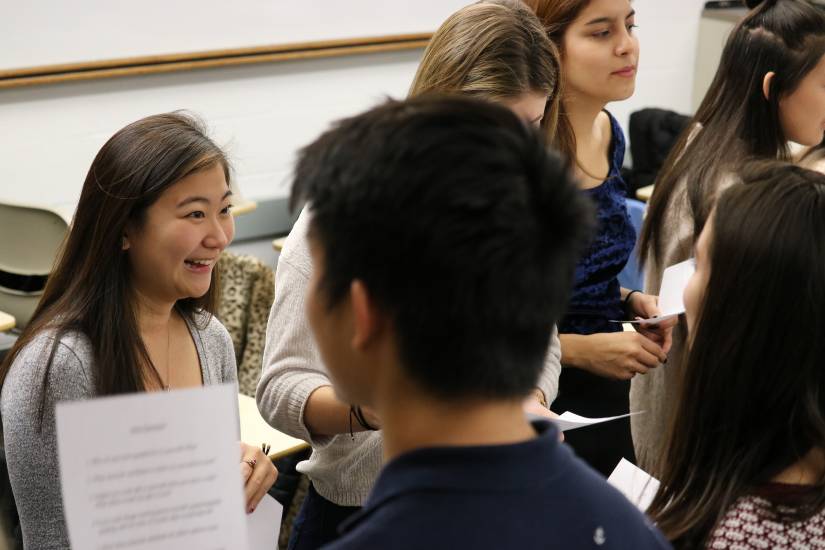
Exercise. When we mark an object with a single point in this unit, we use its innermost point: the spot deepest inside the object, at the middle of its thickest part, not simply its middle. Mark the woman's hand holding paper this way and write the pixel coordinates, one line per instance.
(258, 475)
(645, 306)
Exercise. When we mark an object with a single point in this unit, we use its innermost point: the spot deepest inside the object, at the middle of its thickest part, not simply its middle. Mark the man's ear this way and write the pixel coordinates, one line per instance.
(367, 318)
(766, 84)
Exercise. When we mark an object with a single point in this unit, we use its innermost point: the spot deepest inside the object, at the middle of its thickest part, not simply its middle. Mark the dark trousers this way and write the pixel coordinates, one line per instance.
(317, 522)
(603, 445)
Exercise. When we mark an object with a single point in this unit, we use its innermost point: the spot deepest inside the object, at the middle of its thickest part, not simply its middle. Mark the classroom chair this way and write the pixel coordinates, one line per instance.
(631, 276)
(247, 290)
(30, 237)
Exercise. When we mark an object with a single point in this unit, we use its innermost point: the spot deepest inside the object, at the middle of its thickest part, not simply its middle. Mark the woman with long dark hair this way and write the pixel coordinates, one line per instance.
(745, 463)
(128, 307)
(769, 90)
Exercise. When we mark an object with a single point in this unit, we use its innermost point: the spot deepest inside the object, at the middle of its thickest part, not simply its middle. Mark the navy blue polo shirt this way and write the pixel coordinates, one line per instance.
(530, 495)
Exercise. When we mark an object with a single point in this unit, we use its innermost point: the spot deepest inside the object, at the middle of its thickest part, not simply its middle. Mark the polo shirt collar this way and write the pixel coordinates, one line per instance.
(514, 467)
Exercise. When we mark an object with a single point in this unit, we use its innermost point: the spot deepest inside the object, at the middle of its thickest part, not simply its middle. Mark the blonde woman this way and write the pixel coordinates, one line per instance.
(492, 50)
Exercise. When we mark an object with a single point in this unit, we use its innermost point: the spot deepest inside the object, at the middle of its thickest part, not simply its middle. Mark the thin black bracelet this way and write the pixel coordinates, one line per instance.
(362, 420)
(627, 301)
(351, 412)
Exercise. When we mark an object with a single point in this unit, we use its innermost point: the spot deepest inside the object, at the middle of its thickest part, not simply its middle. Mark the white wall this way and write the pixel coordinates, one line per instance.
(126, 28)
(265, 112)
(668, 31)
(262, 113)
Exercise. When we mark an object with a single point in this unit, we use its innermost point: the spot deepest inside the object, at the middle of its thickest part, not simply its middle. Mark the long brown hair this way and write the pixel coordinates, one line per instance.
(89, 290)
(735, 121)
(494, 50)
(556, 16)
(752, 398)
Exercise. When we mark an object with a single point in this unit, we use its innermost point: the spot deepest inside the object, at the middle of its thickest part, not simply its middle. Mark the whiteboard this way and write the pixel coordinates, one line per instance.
(36, 33)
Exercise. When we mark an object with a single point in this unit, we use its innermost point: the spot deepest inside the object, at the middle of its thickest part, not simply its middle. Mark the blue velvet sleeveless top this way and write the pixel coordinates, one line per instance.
(596, 297)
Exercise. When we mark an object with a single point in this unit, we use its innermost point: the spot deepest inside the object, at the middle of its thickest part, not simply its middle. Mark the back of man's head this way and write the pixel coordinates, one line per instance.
(464, 229)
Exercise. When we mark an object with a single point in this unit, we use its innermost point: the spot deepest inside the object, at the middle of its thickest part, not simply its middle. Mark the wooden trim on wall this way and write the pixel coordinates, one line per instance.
(52, 74)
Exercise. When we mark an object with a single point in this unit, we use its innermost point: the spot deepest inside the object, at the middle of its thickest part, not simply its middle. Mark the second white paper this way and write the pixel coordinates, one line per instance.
(671, 304)
(637, 485)
(570, 421)
(674, 281)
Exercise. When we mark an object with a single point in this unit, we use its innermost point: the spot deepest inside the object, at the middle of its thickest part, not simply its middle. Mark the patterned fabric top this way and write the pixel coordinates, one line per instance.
(596, 298)
(247, 292)
(753, 522)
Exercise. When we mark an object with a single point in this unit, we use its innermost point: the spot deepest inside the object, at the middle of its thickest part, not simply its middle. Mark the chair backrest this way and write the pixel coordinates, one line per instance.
(247, 292)
(631, 276)
(30, 238)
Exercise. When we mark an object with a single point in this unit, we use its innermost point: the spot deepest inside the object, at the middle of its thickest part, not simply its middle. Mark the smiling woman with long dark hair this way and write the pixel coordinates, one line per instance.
(128, 307)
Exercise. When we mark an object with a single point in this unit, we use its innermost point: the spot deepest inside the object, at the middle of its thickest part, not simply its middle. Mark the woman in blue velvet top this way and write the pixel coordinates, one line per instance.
(596, 298)
(599, 56)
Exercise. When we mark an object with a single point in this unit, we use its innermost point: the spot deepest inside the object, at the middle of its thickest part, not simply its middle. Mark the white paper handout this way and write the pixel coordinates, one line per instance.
(674, 281)
(264, 524)
(637, 485)
(153, 471)
(671, 304)
(570, 421)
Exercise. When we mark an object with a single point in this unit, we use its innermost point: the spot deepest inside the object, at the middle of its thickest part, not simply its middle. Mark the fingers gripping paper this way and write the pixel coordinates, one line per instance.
(671, 304)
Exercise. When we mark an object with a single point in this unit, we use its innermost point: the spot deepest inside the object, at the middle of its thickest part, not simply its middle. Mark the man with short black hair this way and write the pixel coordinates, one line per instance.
(444, 237)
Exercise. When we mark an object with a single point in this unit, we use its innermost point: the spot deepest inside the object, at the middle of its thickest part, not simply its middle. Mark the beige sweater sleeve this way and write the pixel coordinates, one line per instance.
(342, 468)
(656, 392)
(549, 378)
(292, 367)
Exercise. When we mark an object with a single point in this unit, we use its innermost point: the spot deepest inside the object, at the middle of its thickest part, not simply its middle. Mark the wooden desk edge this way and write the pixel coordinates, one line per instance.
(244, 207)
(286, 452)
(278, 244)
(644, 193)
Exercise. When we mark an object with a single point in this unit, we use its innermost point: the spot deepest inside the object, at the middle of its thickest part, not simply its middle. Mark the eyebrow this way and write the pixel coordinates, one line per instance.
(190, 200)
(601, 20)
